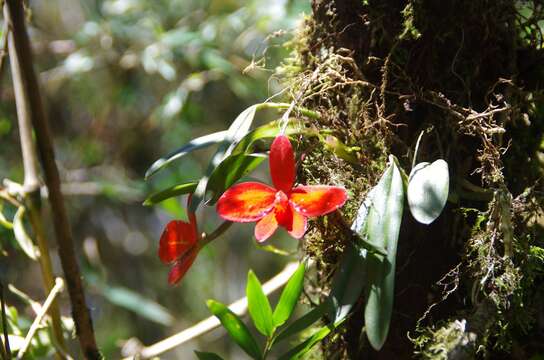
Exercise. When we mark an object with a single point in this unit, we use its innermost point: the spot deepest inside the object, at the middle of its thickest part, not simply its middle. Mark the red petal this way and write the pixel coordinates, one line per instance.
(298, 227)
(181, 267)
(246, 202)
(317, 200)
(176, 239)
(282, 164)
(266, 227)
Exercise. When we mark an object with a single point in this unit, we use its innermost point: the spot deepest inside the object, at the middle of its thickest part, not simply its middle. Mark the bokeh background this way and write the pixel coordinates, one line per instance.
(125, 82)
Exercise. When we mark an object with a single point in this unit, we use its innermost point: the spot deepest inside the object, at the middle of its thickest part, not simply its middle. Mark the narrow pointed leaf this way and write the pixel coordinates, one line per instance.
(24, 241)
(171, 192)
(428, 188)
(231, 170)
(258, 305)
(237, 130)
(195, 144)
(207, 356)
(236, 329)
(289, 296)
(300, 350)
(303, 322)
(382, 230)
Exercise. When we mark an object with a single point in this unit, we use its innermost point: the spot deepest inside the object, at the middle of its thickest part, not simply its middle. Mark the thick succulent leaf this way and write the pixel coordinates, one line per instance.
(347, 284)
(237, 130)
(258, 305)
(195, 144)
(236, 329)
(428, 188)
(24, 241)
(289, 296)
(231, 170)
(171, 192)
(382, 230)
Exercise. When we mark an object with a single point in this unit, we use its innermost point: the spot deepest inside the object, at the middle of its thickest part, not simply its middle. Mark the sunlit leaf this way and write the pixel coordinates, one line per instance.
(289, 296)
(236, 329)
(340, 149)
(171, 192)
(238, 129)
(303, 322)
(231, 170)
(428, 188)
(5, 222)
(382, 230)
(300, 350)
(258, 305)
(19, 231)
(268, 132)
(195, 144)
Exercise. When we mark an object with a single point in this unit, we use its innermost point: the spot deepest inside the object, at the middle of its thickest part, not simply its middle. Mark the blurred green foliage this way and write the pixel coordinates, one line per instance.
(125, 82)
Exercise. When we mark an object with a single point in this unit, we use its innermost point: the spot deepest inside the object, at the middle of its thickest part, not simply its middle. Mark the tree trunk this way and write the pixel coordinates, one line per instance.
(466, 74)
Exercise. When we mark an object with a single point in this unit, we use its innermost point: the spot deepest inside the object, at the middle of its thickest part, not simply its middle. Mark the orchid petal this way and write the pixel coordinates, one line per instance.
(282, 164)
(177, 237)
(317, 200)
(181, 267)
(299, 224)
(246, 202)
(266, 227)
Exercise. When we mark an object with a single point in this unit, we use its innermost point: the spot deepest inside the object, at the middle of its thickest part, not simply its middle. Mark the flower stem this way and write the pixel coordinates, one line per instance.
(207, 238)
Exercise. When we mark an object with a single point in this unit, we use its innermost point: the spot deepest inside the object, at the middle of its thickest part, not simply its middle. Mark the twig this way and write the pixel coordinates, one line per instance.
(239, 307)
(59, 286)
(16, 18)
(6, 351)
(31, 187)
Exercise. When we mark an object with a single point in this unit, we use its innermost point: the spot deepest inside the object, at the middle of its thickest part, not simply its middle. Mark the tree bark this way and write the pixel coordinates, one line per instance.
(464, 73)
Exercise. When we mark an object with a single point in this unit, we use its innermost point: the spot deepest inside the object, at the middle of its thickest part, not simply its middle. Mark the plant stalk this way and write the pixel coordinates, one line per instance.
(15, 16)
(32, 185)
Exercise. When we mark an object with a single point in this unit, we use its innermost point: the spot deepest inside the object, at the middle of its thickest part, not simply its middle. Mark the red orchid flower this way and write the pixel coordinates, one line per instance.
(179, 246)
(283, 205)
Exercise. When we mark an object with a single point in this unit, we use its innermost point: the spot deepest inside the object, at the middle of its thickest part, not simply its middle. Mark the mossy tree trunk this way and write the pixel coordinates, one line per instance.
(468, 74)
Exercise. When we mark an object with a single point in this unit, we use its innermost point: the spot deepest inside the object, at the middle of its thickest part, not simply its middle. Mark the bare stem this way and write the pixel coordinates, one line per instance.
(6, 351)
(32, 183)
(15, 16)
(59, 285)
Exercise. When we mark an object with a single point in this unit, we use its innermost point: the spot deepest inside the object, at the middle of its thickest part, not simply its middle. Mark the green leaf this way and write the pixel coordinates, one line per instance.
(382, 228)
(171, 192)
(236, 329)
(300, 350)
(428, 188)
(207, 356)
(195, 144)
(338, 148)
(289, 296)
(237, 130)
(347, 283)
(268, 132)
(5, 223)
(258, 305)
(303, 322)
(231, 170)
(24, 241)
